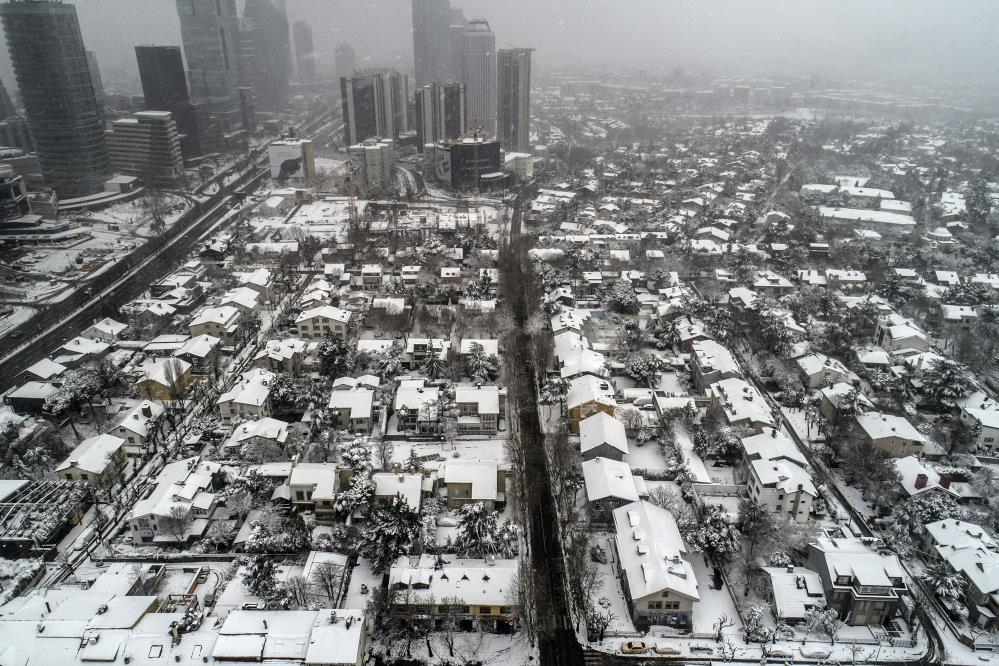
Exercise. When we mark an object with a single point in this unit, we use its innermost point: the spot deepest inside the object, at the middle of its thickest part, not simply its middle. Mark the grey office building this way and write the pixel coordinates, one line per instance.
(513, 117)
(431, 40)
(305, 52)
(265, 22)
(374, 105)
(345, 60)
(53, 75)
(480, 76)
(440, 113)
(164, 87)
(147, 146)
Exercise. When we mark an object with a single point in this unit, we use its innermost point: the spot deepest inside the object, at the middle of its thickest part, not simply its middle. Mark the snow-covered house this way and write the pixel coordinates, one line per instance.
(819, 370)
(354, 409)
(659, 582)
(479, 408)
(96, 460)
(586, 396)
(264, 432)
(602, 436)
(464, 481)
(326, 637)
(222, 322)
(712, 362)
(399, 484)
(782, 486)
(893, 435)
(249, 398)
(135, 427)
(244, 299)
(317, 323)
(482, 590)
(45, 370)
(836, 400)
(260, 280)
(981, 410)
(201, 351)
(287, 356)
(862, 583)
(179, 508)
(106, 330)
(898, 335)
(969, 550)
(414, 401)
(165, 379)
(609, 484)
(417, 350)
(794, 591)
(741, 404)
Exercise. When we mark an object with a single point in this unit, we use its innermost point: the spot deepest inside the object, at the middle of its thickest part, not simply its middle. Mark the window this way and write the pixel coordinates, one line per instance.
(83, 477)
(299, 495)
(655, 605)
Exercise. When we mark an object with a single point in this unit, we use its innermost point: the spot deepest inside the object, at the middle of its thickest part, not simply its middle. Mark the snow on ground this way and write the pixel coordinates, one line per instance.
(644, 457)
(713, 603)
(685, 445)
(361, 576)
(610, 597)
(19, 316)
(492, 649)
(491, 449)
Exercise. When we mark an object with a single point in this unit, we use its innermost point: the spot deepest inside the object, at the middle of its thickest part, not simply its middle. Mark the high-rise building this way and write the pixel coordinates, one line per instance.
(147, 146)
(13, 195)
(305, 52)
(14, 133)
(95, 79)
(456, 45)
(6, 105)
(210, 33)
(440, 112)
(164, 86)
(265, 24)
(374, 105)
(345, 60)
(513, 116)
(480, 75)
(50, 64)
(372, 164)
(431, 40)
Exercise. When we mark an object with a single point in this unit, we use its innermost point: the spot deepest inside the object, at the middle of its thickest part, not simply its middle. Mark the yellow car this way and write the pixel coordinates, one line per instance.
(634, 647)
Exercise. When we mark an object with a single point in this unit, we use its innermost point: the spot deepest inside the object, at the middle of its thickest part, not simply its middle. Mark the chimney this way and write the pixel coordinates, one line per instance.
(147, 411)
(945, 480)
(790, 568)
(921, 480)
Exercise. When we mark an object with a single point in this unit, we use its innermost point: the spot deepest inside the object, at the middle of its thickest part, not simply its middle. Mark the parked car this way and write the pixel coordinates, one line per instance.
(634, 647)
(665, 648)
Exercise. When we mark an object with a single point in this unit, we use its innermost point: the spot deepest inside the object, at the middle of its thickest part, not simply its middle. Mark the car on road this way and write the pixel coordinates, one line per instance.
(634, 647)
(16, 333)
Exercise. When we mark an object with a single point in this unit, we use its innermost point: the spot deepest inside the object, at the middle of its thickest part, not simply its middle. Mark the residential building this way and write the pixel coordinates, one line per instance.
(419, 588)
(712, 362)
(602, 436)
(794, 591)
(466, 481)
(741, 404)
(202, 352)
(222, 322)
(658, 581)
(893, 435)
(180, 506)
(372, 161)
(54, 78)
(405, 485)
(479, 409)
(586, 396)
(313, 487)
(319, 322)
(898, 335)
(819, 371)
(782, 486)
(259, 434)
(862, 581)
(414, 401)
(96, 460)
(106, 330)
(249, 398)
(136, 427)
(165, 379)
(288, 356)
(354, 409)
(978, 409)
(609, 484)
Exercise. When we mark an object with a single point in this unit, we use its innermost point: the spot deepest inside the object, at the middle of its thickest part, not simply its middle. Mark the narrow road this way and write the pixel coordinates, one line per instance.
(556, 639)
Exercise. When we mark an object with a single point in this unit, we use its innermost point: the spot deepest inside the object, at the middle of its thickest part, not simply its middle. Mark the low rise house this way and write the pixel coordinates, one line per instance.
(794, 591)
(891, 434)
(818, 371)
(260, 434)
(312, 487)
(741, 404)
(137, 425)
(658, 581)
(106, 330)
(354, 409)
(602, 436)
(260, 280)
(609, 484)
(222, 322)
(862, 581)
(414, 406)
(772, 284)
(202, 352)
(179, 508)
(712, 362)
(244, 299)
(465, 481)
(45, 370)
(405, 485)
(30, 397)
(324, 637)
(898, 335)
(96, 460)
(959, 316)
(288, 356)
(417, 350)
(165, 379)
(978, 409)
(479, 409)
(249, 398)
(317, 323)
(586, 396)
(445, 588)
(782, 486)
(842, 398)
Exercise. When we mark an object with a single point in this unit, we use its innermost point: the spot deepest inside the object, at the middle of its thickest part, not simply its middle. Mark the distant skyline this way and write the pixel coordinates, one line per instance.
(863, 39)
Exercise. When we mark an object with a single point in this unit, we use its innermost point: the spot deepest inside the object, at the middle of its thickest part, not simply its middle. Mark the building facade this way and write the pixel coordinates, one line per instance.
(513, 116)
(164, 87)
(305, 53)
(147, 146)
(53, 74)
(431, 40)
(479, 75)
(440, 113)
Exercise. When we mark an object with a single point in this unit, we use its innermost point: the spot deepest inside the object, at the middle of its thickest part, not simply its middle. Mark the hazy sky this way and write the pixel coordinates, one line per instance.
(885, 39)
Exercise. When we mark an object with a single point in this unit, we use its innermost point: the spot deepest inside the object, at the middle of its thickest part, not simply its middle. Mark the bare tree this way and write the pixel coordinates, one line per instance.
(382, 449)
(177, 522)
(297, 588)
(450, 616)
(328, 577)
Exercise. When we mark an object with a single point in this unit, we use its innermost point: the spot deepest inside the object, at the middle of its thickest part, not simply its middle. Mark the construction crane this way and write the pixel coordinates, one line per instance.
(347, 178)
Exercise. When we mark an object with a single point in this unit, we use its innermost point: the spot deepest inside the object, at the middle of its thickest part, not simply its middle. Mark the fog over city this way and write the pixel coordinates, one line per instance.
(894, 40)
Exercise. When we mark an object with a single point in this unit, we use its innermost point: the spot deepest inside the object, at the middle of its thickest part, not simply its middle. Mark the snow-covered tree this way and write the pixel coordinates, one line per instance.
(434, 365)
(336, 357)
(945, 582)
(360, 493)
(357, 454)
(481, 367)
(477, 530)
(947, 381)
(391, 531)
(390, 361)
(260, 577)
(621, 297)
(644, 368)
(754, 624)
(712, 534)
(823, 620)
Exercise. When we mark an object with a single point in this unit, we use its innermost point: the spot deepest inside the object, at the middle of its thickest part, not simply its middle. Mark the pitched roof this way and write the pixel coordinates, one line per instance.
(599, 429)
(651, 552)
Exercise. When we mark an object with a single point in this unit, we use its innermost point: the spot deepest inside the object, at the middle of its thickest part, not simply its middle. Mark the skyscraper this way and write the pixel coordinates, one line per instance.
(513, 116)
(480, 75)
(456, 45)
(210, 33)
(6, 105)
(431, 40)
(53, 75)
(266, 25)
(164, 86)
(147, 146)
(95, 79)
(374, 105)
(344, 60)
(305, 52)
(440, 112)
